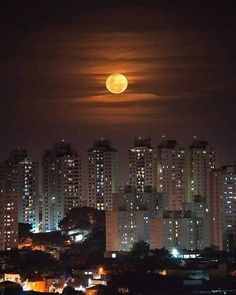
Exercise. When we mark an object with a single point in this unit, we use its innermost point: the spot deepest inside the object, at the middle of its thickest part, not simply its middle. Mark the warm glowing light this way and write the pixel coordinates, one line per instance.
(100, 271)
(162, 272)
(117, 83)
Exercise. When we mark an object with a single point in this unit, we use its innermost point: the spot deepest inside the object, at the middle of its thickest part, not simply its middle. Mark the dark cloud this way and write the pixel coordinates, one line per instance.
(179, 59)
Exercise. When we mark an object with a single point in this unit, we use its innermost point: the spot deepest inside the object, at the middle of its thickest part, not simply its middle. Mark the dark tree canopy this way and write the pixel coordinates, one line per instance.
(31, 263)
(24, 230)
(37, 262)
(88, 253)
(140, 249)
(83, 217)
(51, 239)
(68, 290)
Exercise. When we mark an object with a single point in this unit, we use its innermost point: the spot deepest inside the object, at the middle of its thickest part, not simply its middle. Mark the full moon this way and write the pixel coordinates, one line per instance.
(117, 83)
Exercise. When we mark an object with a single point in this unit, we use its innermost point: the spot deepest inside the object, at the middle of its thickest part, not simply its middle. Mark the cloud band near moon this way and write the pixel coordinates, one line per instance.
(179, 60)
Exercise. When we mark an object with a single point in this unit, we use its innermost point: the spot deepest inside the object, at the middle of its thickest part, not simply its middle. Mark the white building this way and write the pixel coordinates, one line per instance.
(21, 177)
(124, 228)
(132, 199)
(202, 160)
(103, 170)
(141, 164)
(28, 203)
(180, 229)
(172, 173)
(128, 221)
(61, 184)
(216, 205)
(8, 219)
(228, 182)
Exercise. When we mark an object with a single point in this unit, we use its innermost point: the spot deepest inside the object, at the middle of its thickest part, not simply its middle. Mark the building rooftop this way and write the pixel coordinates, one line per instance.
(60, 149)
(199, 144)
(142, 142)
(103, 145)
(229, 168)
(168, 144)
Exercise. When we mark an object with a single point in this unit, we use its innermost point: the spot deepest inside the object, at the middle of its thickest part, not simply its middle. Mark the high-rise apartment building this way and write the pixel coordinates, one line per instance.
(21, 177)
(8, 219)
(142, 216)
(128, 221)
(124, 228)
(11, 169)
(216, 204)
(223, 207)
(102, 174)
(61, 167)
(172, 172)
(131, 199)
(198, 207)
(228, 195)
(141, 164)
(28, 205)
(202, 160)
(188, 228)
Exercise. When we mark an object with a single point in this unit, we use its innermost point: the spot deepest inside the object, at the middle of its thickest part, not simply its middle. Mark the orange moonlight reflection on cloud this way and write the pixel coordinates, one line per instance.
(121, 99)
(121, 115)
(155, 65)
(121, 109)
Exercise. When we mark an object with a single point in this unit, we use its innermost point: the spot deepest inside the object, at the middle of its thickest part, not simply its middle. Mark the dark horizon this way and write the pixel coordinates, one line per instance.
(179, 60)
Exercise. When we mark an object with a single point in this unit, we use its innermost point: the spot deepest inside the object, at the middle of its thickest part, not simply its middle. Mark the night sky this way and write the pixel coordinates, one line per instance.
(179, 59)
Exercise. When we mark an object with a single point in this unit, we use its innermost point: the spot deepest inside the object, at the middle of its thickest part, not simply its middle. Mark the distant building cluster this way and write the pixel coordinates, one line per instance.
(176, 197)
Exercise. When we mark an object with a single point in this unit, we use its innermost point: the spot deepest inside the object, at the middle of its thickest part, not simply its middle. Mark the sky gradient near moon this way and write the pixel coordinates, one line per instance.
(179, 60)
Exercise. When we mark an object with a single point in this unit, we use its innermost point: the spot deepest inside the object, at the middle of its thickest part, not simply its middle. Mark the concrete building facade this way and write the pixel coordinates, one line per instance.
(216, 204)
(128, 222)
(102, 175)
(228, 195)
(61, 183)
(8, 219)
(172, 172)
(180, 229)
(141, 164)
(202, 159)
(21, 176)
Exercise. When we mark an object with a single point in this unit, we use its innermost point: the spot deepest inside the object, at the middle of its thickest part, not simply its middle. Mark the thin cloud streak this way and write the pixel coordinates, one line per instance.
(116, 99)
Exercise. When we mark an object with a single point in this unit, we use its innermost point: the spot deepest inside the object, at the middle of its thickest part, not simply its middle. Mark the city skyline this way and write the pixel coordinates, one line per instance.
(171, 184)
(118, 147)
(123, 168)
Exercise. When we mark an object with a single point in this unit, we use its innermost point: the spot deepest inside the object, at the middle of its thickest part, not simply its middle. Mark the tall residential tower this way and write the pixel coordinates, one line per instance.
(141, 164)
(8, 219)
(202, 160)
(61, 184)
(102, 165)
(21, 177)
(172, 172)
(228, 195)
